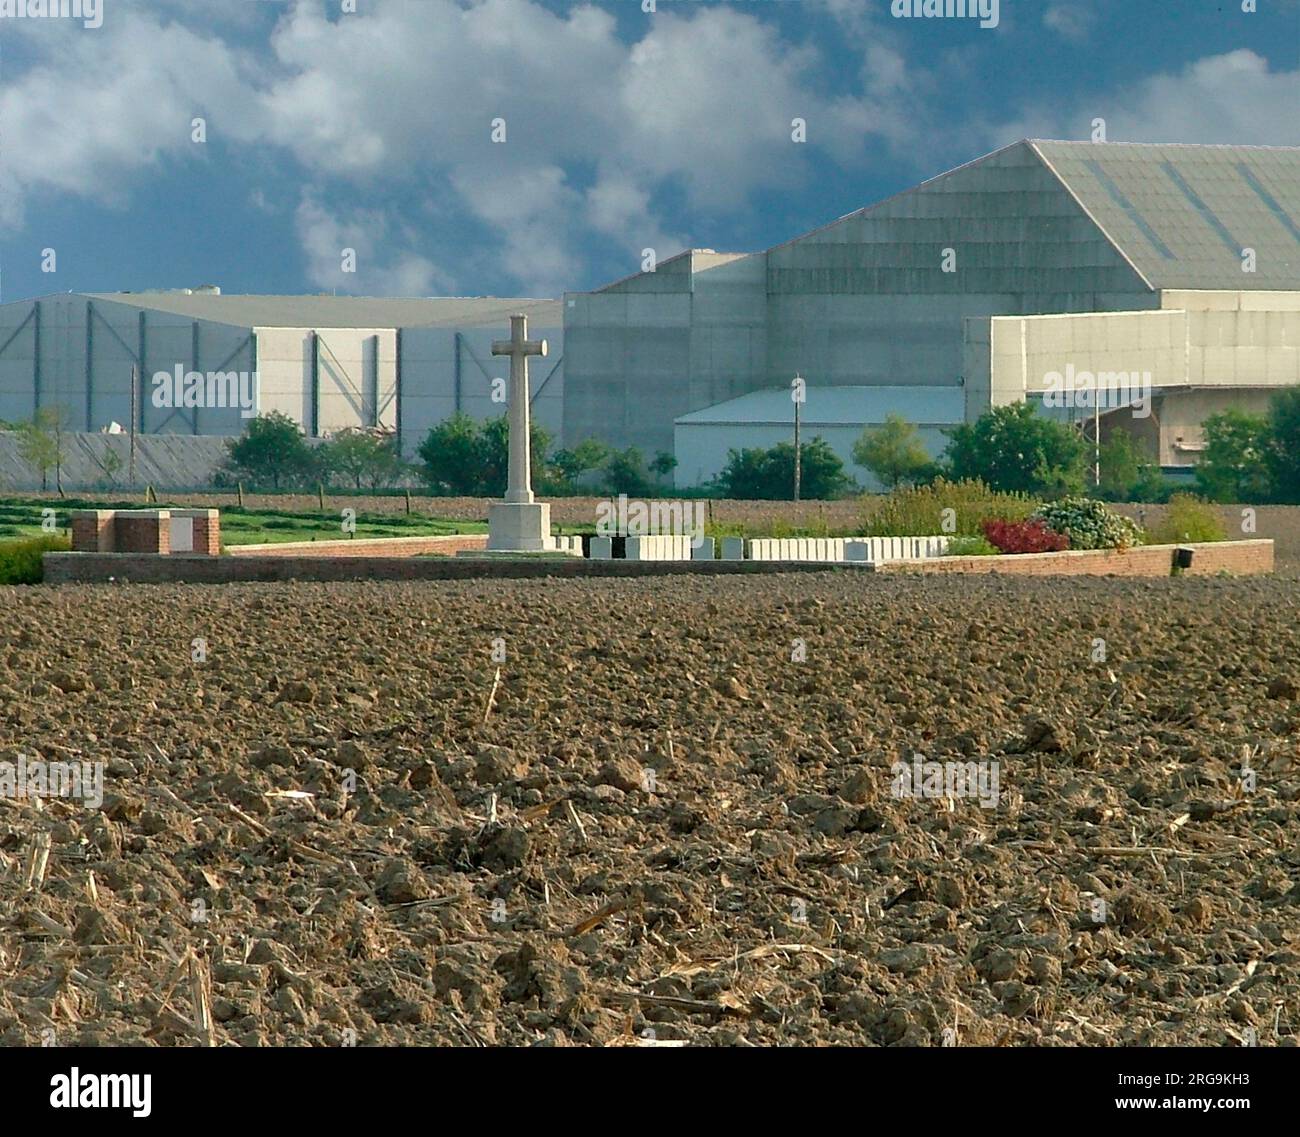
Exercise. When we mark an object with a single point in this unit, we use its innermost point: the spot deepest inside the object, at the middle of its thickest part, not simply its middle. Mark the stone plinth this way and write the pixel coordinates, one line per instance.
(520, 527)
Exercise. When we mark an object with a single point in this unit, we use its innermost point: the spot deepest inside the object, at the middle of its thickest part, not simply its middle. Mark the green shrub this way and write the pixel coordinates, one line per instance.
(970, 547)
(1234, 464)
(271, 449)
(920, 511)
(466, 458)
(757, 474)
(1089, 524)
(20, 561)
(1015, 449)
(1188, 518)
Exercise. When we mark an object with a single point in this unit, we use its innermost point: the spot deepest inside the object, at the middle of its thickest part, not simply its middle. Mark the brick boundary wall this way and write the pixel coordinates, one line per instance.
(68, 568)
(449, 545)
(1241, 558)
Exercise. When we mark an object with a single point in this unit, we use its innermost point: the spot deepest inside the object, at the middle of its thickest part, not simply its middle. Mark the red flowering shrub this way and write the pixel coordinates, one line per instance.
(1024, 537)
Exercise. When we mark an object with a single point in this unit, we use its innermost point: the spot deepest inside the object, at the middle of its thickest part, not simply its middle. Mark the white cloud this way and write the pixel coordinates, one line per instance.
(530, 215)
(405, 94)
(106, 106)
(1069, 18)
(324, 236)
(600, 132)
(1225, 99)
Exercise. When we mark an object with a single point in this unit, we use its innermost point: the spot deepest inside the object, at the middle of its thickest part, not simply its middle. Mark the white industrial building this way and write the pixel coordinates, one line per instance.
(328, 362)
(703, 440)
(1183, 261)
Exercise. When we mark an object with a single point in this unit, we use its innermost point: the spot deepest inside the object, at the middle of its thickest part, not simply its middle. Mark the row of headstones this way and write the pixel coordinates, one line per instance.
(874, 549)
(657, 548)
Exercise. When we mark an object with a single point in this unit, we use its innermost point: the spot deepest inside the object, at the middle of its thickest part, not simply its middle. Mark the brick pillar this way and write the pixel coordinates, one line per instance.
(207, 532)
(92, 531)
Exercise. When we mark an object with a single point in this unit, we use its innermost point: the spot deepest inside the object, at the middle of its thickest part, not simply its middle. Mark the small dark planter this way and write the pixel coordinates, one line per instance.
(1183, 558)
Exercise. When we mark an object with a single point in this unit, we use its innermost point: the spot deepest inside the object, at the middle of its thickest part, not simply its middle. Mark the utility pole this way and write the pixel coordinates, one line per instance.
(1096, 440)
(135, 402)
(797, 393)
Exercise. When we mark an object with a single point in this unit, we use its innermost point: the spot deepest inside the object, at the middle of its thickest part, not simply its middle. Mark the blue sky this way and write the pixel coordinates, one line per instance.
(624, 129)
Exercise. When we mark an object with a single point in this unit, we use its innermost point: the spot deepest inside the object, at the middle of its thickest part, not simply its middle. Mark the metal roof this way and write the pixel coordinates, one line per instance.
(1183, 215)
(837, 406)
(344, 311)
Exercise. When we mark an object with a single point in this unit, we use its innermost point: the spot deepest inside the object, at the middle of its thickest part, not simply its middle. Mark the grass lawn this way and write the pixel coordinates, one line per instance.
(21, 517)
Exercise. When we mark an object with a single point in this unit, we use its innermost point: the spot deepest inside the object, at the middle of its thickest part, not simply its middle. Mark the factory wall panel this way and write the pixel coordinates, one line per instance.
(96, 391)
(445, 370)
(627, 364)
(356, 377)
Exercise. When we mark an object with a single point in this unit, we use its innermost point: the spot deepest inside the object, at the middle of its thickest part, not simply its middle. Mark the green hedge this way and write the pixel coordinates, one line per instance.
(20, 561)
(1188, 519)
(957, 508)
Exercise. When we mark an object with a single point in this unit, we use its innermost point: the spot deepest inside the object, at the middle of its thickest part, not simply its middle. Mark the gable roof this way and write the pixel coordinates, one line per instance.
(1182, 215)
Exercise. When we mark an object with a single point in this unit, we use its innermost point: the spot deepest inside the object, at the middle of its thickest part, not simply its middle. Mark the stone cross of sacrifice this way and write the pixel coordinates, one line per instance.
(519, 347)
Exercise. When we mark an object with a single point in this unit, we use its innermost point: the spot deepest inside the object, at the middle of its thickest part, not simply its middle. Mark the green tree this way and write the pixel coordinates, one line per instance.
(567, 466)
(768, 475)
(625, 472)
(272, 448)
(1152, 485)
(1234, 465)
(496, 454)
(452, 455)
(663, 464)
(1282, 454)
(470, 459)
(362, 456)
(1121, 466)
(893, 451)
(1014, 449)
(109, 461)
(37, 446)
